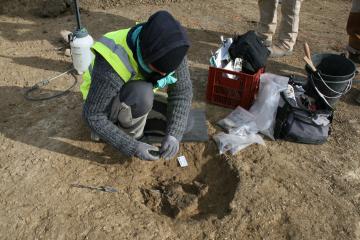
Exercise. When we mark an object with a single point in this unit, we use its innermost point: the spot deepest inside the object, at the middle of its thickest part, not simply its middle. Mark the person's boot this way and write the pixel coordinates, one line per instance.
(355, 57)
(357, 99)
(279, 50)
(353, 54)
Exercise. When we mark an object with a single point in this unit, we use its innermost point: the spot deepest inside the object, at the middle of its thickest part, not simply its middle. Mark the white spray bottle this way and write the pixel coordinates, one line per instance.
(80, 44)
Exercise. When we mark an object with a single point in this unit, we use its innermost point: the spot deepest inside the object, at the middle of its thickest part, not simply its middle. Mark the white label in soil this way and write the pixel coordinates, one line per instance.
(182, 161)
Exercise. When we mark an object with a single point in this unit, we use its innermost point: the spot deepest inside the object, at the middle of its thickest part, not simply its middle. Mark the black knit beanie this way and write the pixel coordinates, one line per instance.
(163, 42)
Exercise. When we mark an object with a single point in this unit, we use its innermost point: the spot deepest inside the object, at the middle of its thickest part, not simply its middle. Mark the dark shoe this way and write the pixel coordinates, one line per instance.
(355, 57)
(353, 54)
(357, 98)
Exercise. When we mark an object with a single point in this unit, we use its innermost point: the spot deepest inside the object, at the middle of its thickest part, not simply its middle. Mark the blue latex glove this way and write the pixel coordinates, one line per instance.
(162, 83)
(169, 147)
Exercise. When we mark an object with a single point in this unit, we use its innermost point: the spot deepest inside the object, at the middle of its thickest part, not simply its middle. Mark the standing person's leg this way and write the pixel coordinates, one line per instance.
(289, 28)
(353, 29)
(268, 18)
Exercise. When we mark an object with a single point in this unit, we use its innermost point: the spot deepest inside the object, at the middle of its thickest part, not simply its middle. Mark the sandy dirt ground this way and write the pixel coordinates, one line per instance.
(281, 191)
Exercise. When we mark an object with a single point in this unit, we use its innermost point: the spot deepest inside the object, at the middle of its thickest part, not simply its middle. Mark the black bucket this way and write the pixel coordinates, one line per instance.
(336, 76)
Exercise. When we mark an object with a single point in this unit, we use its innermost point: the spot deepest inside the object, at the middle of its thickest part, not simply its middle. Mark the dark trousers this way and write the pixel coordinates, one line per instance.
(137, 110)
(353, 27)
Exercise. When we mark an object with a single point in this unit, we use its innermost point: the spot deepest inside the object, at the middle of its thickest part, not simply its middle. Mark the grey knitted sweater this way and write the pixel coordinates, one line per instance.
(106, 84)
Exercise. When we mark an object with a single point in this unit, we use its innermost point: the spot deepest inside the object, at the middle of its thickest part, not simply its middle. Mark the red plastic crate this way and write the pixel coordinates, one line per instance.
(231, 93)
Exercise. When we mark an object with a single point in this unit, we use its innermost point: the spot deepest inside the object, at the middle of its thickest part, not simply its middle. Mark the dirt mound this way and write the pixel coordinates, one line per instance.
(210, 192)
(50, 8)
(175, 199)
(54, 8)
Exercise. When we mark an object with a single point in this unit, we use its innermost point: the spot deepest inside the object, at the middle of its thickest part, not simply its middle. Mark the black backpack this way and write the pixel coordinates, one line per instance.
(250, 48)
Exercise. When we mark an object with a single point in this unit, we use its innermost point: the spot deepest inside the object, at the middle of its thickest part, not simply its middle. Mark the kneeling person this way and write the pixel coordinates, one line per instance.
(118, 88)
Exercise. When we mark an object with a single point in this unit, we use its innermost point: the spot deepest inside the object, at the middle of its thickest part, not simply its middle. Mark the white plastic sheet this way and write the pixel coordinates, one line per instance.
(234, 143)
(239, 122)
(265, 106)
(241, 128)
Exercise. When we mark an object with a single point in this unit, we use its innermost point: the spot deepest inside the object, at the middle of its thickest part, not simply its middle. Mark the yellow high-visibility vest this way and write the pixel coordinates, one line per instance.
(115, 50)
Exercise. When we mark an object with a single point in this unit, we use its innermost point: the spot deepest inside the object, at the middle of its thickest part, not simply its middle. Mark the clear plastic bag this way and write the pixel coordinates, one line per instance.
(235, 143)
(267, 101)
(239, 122)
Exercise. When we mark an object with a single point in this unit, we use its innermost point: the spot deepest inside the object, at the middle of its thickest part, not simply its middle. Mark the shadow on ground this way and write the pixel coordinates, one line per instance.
(55, 125)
